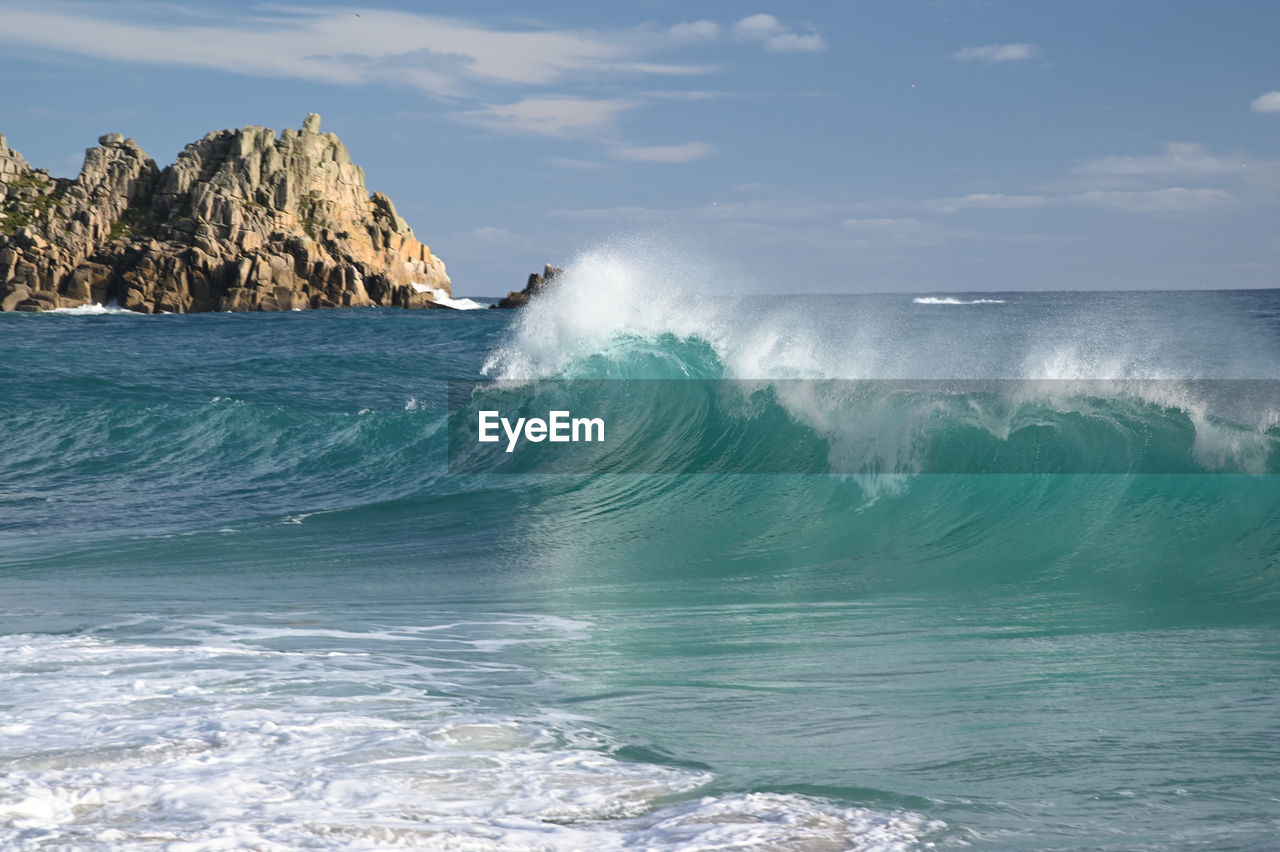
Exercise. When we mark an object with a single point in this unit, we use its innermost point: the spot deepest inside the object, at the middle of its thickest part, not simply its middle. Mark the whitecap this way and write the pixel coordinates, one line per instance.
(95, 309)
(442, 297)
(951, 300)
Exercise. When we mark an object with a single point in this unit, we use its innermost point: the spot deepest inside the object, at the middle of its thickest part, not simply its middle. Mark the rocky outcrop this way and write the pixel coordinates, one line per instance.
(244, 220)
(519, 298)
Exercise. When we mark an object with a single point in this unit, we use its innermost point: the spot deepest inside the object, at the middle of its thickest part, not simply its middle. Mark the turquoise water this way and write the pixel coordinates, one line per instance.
(245, 604)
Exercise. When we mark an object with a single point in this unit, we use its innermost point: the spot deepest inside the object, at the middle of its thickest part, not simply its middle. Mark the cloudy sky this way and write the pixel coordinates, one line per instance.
(838, 146)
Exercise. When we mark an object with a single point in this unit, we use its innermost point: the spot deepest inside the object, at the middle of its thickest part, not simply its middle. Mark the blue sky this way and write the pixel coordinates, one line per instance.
(856, 146)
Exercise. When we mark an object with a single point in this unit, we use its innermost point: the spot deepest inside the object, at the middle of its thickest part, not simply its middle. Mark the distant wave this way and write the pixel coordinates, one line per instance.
(443, 298)
(948, 300)
(94, 309)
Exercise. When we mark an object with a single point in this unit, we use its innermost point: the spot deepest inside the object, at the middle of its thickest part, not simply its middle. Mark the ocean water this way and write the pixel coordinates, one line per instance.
(244, 603)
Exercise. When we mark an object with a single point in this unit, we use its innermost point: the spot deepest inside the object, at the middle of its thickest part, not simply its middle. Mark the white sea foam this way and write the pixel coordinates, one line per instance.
(442, 297)
(631, 296)
(610, 299)
(602, 299)
(951, 300)
(219, 733)
(95, 309)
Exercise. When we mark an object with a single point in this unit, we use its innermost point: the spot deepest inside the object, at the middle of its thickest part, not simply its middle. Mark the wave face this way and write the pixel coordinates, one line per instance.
(1106, 383)
(247, 603)
(871, 427)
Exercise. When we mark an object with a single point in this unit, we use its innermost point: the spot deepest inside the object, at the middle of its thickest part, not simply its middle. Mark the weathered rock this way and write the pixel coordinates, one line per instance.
(14, 295)
(520, 298)
(45, 300)
(243, 220)
(11, 162)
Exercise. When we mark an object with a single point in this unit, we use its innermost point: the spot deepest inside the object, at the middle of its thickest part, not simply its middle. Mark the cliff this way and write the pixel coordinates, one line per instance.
(244, 220)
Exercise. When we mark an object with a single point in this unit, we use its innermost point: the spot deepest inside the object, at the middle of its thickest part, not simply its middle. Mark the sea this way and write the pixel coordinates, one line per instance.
(251, 598)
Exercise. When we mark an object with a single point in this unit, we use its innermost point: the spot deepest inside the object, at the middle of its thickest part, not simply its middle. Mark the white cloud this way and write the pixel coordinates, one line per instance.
(992, 53)
(689, 95)
(810, 211)
(439, 55)
(686, 153)
(986, 200)
(1175, 199)
(550, 116)
(776, 36)
(1270, 102)
(1181, 164)
(880, 224)
(490, 234)
(1182, 159)
(694, 31)
(518, 78)
(796, 43)
(796, 221)
(597, 214)
(667, 69)
(487, 241)
(757, 28)
(1182, 177)
(577, 164)
(870, 234)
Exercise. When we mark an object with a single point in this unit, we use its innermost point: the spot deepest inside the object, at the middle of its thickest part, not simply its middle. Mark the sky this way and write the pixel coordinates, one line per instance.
(841, 146)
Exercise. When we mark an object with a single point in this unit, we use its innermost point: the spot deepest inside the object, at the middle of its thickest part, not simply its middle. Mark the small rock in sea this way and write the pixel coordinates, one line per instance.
(519, 298)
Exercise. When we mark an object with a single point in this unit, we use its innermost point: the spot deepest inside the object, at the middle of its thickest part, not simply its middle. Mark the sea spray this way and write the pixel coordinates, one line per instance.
(634, 313)
(614, 302)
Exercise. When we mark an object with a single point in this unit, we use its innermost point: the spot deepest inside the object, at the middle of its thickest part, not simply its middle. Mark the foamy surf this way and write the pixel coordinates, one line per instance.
(94, 309)
(218, 735)
(443, 298)
(951, 300)
(639, 310)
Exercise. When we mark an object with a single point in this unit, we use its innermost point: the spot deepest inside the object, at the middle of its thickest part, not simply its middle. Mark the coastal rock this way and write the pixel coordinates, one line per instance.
(15, 296)
(519, 298)
(243, 220)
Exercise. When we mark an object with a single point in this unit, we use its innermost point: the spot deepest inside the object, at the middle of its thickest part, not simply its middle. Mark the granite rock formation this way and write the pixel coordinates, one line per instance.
(244, 220)
(519, 298)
